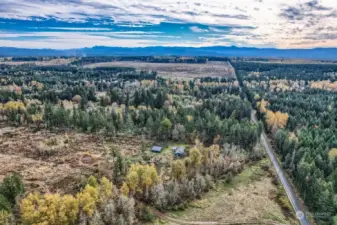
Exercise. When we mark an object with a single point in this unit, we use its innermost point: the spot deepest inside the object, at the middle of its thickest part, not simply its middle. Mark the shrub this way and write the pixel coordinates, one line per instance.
(92, 181)
(5, 217)
(147, 215)
(5, 205)
(11, 187)
(181, 206)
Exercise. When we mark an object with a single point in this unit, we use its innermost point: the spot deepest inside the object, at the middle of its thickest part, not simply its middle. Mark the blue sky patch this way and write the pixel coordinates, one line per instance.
(66, 24)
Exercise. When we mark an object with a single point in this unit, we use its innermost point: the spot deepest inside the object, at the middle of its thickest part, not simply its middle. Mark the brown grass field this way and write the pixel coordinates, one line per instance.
(58, 162)
(250, 196)
(176, 70)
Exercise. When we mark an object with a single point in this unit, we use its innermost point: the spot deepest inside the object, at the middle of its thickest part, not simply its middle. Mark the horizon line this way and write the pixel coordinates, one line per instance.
(163, 46)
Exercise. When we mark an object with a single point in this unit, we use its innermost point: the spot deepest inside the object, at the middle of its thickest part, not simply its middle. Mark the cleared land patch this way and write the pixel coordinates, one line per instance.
(50, 162)
(250, 196)
(184, 70)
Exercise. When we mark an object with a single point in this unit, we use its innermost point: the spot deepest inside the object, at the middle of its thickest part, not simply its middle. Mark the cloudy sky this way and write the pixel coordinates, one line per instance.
(64, 24)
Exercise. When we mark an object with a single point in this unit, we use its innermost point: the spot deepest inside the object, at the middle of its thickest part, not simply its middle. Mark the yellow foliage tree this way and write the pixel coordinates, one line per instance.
(333, 153)
(14, 105)
(36, 84)
(178, 169)
(133, 181)
(30, 211)
(38, 118)
(195, 156)
(54, 209)
(49, 209)
(141, 177)
(147, 83)
(270, 118)
(214, 152)
(189, 118)
(49, 205)
(125, 189)
(92, 181)
(88, 199)
(276, 120)
(262, 105)
(13, 110)
(151, 171)
(5, 217)
(106, 189)
(147, 178)
(69, 209)
(282, 119)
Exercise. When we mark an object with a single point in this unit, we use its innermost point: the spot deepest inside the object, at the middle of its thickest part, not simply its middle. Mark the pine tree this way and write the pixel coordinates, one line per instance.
(165, 126)
(11, 187)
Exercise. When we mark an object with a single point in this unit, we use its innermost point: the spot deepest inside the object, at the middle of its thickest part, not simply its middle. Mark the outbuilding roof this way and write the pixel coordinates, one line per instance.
(156, 148)
(180, 151)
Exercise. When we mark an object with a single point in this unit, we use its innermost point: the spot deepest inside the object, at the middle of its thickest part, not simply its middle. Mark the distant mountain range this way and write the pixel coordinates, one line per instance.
(316, 53)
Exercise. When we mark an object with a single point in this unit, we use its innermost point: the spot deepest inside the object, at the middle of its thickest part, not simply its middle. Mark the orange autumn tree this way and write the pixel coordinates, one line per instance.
(276, 120)
(262, 106)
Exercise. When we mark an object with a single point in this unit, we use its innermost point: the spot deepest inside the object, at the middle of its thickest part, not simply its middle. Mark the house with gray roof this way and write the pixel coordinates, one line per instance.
(180, 151)
(156, 149)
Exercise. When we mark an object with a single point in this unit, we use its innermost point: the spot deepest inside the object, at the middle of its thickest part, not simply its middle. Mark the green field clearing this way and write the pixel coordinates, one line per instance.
(247, 197)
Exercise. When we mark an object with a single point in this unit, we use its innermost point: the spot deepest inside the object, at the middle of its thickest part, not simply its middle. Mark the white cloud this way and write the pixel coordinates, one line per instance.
(196, 29)
(77, 28)
(74, 40)
(216, 30)
(73, 34)
(67, 40)
(270, 28)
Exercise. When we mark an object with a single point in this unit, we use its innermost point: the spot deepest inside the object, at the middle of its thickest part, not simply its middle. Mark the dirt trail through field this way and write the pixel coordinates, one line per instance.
(178, 221)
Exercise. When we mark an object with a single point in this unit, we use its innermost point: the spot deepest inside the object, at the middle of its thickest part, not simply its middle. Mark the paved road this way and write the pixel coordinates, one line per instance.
(298, 207)
(295, 202)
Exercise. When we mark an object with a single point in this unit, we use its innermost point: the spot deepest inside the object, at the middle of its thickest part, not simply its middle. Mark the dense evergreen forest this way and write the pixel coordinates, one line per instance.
(298, 105)
(151, 59)
(141, 102)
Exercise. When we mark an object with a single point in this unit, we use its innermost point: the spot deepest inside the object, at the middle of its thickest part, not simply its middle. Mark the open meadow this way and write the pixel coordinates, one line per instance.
(176, 70)
(252, 195)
